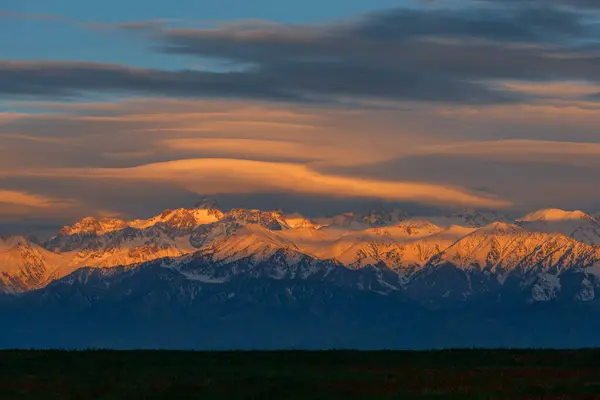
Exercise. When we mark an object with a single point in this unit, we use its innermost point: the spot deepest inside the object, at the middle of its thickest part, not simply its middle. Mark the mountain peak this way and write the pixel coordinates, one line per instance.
(418, 226)
(297, 220)
(273, 220)
(555, 214)
(498, 227)
(93, 226)
(184, 219)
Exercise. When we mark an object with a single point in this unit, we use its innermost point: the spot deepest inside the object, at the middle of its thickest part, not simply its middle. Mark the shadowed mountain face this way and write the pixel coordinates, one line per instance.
(203, 278)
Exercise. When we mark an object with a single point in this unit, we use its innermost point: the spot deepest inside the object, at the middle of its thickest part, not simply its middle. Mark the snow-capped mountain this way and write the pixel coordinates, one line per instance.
(243, 242)
(504, 247)
(206, 264)
(297, 220)
(576, 224)
(91, 226)
(25, 265)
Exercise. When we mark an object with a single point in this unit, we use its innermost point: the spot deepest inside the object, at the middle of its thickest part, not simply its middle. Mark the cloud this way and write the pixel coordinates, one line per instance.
(27, 138)
(555, 90)
(18, 206)
(145, 131)
(435, 48)
(460, 54)
(274, 149)
(300, 83)
(25, 199)
(533, 174)
(521, 24)
(85, 137)
(539, 151)
(138, 156)
(222, 176)
(434, 104)
(328, 143)
(134, 25)
(573, 4)
(71, 79)
(553, 120)
(440, 54)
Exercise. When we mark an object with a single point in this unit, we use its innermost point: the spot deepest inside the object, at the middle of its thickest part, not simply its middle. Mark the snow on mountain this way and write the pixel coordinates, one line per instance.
(576, 224)
(251, 250)
(410, 244)
(108, 243)
(177, 223)
(555, 214)
(253, 242)
(234, 221)
(505, 247)
(416, 254)
(415, 228)
(131, 246)
(93, 226)
(273, 220)
(545, 243)
(182, 220)
(297, 220)
(26, 266)
(383, 274)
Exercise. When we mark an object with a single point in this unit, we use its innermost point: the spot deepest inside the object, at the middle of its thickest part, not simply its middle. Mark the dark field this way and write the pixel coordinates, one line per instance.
(460, 374)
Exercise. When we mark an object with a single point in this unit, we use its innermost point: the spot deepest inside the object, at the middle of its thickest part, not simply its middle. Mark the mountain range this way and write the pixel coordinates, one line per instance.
(206, 278)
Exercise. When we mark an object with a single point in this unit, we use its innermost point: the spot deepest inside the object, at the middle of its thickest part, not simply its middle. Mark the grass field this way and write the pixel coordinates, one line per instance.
(460, 374)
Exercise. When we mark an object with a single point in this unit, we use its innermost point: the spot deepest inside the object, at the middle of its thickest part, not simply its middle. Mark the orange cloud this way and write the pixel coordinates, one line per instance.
(6, 117)
(15, 205)
(289, 150)
(218, 176)
(25, 199)
(28, 138)
(572, 153)
(574, 113)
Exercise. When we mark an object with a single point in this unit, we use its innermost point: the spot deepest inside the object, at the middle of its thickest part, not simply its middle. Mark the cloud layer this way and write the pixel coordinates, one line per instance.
(226, 176)
(483, 103)
(451, 54)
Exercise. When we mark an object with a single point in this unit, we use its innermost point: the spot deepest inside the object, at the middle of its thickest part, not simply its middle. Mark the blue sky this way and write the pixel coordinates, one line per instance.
(33, 39)
(284, 11)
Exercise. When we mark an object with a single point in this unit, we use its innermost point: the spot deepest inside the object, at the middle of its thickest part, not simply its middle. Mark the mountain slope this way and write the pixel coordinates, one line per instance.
(156, 307)
(443, 251)
(201, 278)
(576, 224)
(25, 265)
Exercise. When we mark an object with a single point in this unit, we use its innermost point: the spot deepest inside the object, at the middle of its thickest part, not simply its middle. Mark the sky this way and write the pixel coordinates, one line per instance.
(122, 109)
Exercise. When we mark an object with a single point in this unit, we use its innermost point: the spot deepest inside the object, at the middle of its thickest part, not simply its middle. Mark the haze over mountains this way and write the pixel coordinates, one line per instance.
(276, 271)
